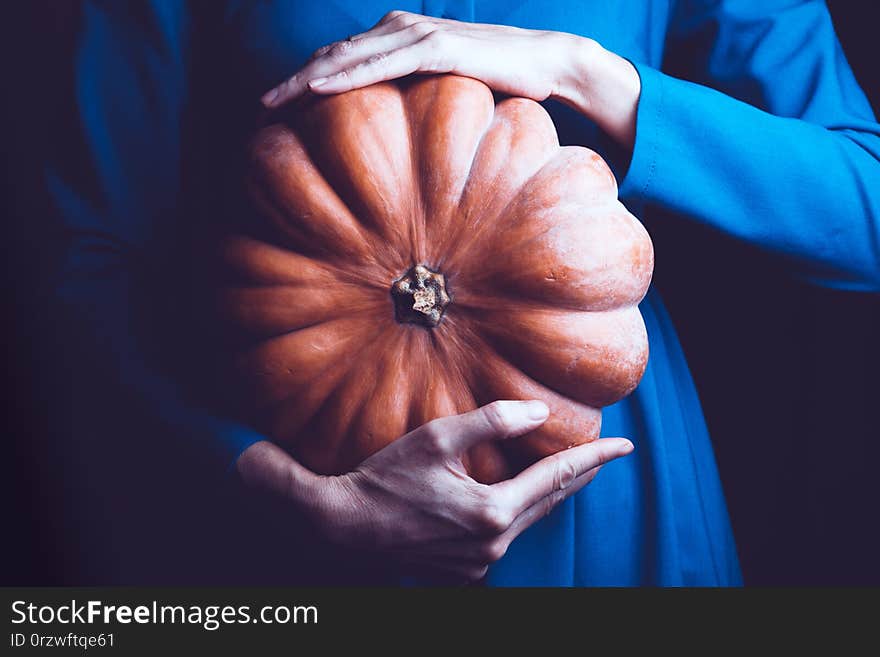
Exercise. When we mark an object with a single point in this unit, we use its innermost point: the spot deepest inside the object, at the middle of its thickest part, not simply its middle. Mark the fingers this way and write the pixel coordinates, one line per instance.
(393, 16)
(496, 525)
(468, 559)
(482, 550)
(454, 435)
(398, 20)
(360, 46)
(360, 60)
(544, 506)
(452, 561)
(446, 572)
(558, 473)
(384, 65)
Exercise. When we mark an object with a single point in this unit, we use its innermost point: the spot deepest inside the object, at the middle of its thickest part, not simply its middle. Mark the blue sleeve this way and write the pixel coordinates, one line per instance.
(770, 141)
(116, 188)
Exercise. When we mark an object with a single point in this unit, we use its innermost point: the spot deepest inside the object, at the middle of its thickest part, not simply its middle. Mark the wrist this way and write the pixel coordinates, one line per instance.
(266, 466)
(602, 86)
(578, 61)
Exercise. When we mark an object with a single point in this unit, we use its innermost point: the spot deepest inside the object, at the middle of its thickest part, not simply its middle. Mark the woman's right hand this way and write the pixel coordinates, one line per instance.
(414, 501)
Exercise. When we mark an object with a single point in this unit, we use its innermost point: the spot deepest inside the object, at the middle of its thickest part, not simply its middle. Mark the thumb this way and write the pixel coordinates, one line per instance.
(498, 420)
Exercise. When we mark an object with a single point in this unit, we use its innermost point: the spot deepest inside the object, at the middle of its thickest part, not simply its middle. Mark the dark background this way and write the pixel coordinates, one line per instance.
(786, 372)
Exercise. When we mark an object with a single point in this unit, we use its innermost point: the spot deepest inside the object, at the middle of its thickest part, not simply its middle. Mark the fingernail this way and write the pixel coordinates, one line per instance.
(627, 447)
(537, 410)
(269, 97)
(317, 82)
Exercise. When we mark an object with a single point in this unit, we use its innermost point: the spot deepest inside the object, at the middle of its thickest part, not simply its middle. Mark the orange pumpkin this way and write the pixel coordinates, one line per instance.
(421, 251)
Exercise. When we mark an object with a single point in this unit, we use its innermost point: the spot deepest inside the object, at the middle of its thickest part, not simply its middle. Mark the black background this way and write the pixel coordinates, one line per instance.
(787, 372)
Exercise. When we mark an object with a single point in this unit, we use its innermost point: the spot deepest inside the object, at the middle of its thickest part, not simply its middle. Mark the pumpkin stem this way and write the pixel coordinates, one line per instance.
(420, 296)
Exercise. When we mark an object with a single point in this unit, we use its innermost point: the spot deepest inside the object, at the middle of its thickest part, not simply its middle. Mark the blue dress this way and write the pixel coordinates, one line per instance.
(770, 141)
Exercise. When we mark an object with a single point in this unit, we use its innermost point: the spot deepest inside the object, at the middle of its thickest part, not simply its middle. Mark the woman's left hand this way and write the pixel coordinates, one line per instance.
(529, 63)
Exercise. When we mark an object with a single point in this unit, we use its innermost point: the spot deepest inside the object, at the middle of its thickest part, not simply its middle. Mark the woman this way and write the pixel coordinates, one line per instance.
(770, 105)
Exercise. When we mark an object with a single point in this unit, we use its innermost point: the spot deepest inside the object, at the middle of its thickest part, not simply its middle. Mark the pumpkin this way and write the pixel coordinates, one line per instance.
(418, 250)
